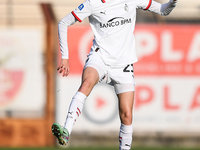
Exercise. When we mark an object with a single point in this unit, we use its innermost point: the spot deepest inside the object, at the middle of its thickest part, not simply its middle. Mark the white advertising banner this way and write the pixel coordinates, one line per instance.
(22, 76)
(167, 75)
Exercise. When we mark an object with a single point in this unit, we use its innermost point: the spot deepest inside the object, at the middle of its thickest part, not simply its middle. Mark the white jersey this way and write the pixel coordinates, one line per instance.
(113, 24)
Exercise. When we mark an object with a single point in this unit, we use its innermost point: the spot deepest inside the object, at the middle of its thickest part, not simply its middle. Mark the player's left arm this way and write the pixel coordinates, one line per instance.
(162, 9)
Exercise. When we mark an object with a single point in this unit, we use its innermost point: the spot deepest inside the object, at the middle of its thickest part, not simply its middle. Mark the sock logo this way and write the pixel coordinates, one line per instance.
(70, 113)
(128, 145)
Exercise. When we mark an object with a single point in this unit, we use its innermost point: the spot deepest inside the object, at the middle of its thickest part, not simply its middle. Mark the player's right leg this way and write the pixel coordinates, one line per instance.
(90, 77)
(89, 80)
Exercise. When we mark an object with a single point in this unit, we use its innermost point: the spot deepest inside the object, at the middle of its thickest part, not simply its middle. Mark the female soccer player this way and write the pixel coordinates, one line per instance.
(111, 57)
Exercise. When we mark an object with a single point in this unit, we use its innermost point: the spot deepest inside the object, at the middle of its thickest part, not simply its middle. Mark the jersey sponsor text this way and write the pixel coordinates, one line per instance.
(117, 21)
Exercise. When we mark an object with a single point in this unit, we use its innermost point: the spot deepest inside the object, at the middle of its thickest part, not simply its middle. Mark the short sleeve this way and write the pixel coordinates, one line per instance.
(82, 11)
(143, 4)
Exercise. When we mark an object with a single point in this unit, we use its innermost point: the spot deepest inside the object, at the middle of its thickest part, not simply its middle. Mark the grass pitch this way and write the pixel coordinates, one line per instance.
(97, 148)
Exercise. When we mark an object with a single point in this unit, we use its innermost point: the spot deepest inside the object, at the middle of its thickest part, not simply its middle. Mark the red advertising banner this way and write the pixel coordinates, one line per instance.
(168, 50)
(161, 49)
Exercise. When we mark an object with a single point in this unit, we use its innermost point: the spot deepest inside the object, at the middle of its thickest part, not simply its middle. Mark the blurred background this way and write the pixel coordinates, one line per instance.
(33, 96)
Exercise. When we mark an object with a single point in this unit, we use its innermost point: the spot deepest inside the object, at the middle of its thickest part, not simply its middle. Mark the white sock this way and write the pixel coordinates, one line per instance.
(125, 137)
(75, 110)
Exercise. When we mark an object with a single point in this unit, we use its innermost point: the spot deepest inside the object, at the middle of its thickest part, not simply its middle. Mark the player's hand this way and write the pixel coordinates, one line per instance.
(63, 68)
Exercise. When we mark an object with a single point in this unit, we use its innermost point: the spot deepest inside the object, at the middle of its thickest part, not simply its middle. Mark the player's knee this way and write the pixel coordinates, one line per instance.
(126, 117)
(87, 84)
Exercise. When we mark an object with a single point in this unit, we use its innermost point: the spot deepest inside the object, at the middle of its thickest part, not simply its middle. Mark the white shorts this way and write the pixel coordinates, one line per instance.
(122, 78)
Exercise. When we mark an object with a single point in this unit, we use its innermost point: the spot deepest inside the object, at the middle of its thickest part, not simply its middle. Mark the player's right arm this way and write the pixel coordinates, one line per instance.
(79, 14)
(63, 25)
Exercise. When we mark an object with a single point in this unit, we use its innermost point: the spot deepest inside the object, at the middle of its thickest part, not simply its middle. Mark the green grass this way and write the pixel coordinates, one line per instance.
(97, 148)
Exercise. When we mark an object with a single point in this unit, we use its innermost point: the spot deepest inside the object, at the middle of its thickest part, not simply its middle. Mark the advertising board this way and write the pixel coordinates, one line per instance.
(22, 76)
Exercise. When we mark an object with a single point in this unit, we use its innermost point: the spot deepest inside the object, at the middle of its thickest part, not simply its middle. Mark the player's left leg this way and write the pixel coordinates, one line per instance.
(125, 112)
(124, 84)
